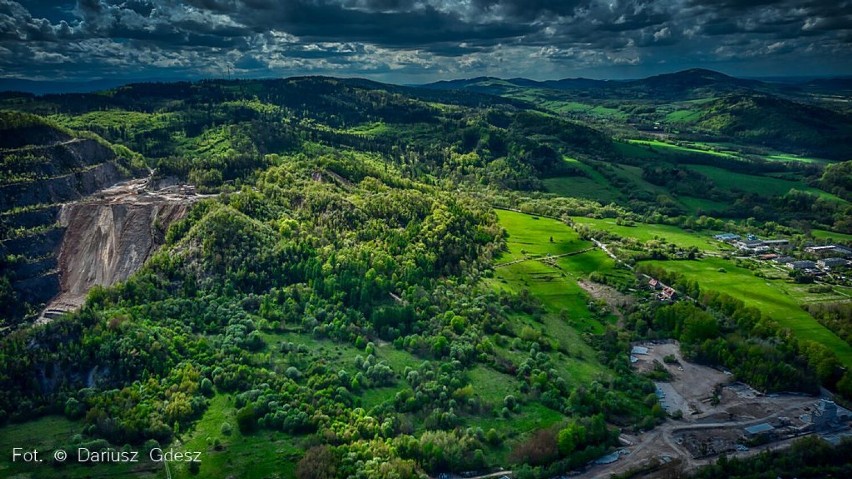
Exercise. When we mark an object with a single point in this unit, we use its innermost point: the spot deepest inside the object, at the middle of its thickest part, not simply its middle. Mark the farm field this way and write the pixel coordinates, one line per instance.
(580, 187)
(791, 157)
(696, 205)
(662, 146)
(633, 174)
(530, 235)
(596, 187)
(770, 296)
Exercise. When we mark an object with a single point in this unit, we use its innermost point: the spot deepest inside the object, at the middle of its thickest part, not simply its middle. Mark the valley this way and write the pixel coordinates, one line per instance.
(332, 277)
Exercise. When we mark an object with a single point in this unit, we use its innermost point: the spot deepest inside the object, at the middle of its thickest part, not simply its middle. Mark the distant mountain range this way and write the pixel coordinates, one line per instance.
(687, 83)
(677, 82)
(43, 87)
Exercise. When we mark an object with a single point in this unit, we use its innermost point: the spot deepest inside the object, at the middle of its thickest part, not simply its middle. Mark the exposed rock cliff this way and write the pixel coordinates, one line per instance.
(69, 217)
(110, 235)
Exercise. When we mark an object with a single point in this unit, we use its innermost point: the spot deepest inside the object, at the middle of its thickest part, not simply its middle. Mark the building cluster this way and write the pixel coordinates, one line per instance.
(829, 258)
(827, 417)
(751, 244)
(664, 293)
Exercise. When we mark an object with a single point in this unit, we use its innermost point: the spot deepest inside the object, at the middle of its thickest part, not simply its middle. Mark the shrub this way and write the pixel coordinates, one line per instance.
(246, 419)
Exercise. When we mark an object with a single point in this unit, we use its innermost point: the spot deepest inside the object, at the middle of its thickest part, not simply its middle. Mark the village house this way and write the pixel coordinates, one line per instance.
(802, 265)
(743, 244)
(829, 264)
(727, 237)
(777, 243)
(667, 294)
(752, 246)
(829, 251)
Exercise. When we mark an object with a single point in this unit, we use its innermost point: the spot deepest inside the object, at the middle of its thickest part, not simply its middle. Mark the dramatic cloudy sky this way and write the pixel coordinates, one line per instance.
(421, 40)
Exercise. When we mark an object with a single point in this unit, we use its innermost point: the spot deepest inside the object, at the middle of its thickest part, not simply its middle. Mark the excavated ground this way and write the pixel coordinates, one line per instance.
(707, 427)
(110, 234)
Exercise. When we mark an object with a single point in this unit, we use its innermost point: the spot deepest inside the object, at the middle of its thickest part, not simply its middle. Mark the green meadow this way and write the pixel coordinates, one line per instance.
(581, 187)
(790, 157)
(658, 146)
(260, 455)
(567, 315)
(530, 236)
(564, 321)
(696, 205)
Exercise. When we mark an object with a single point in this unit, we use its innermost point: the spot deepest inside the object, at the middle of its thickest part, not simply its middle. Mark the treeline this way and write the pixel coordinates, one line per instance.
(835, 316)
(807, 457)
(837, 179)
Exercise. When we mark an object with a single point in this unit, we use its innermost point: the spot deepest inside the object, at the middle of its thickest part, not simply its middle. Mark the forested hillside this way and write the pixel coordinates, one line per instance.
(332, 293)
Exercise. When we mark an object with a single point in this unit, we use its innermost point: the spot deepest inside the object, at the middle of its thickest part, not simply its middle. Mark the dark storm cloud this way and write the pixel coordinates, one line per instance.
(411, 38)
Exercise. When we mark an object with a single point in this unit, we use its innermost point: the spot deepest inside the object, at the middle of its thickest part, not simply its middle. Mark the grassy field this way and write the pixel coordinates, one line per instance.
(728, 150)
(703, 240)
(565, 302)
(581, 187)
(261, 455)
(546, 100)
(531, 235)
(531, 417)
(565, 321)
(702, 204)
(370, 129)
(761, 185)
(633, 174)
(683, 116)
(774, 297)
(492, 386)
(593, 186)
(831, 235)
(796, 158)
(662, 146)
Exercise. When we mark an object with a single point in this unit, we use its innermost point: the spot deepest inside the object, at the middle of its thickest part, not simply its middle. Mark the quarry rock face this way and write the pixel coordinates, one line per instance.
(92, 168)
(109, 235)
(76, 215)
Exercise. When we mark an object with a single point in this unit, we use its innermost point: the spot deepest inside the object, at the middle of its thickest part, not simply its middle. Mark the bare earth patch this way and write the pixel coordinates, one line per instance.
(614, 299)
